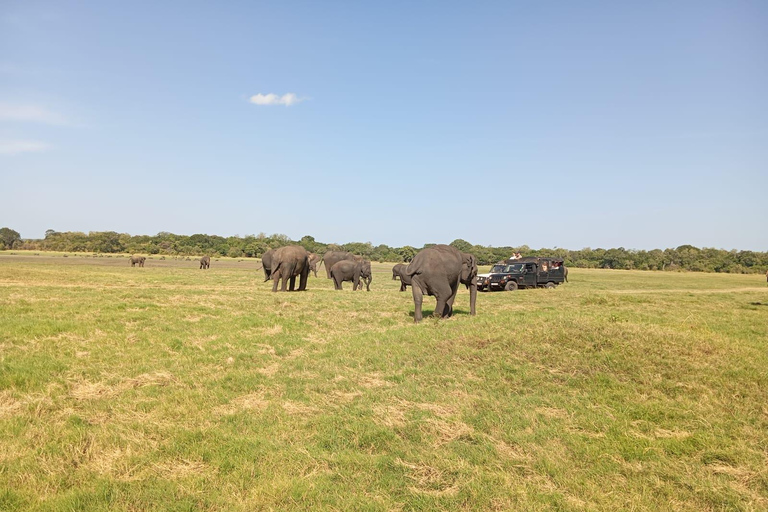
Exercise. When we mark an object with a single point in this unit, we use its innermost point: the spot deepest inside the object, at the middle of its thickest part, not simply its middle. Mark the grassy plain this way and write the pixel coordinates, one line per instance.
(171, 388)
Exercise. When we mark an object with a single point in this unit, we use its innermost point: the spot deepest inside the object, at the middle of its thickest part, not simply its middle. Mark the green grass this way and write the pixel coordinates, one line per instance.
(171, 388)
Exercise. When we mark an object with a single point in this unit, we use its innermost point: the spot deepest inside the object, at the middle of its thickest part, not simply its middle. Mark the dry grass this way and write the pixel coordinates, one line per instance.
(170, 388)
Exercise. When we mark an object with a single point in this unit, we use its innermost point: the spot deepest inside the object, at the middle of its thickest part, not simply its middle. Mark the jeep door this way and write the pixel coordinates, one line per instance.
(529, 278)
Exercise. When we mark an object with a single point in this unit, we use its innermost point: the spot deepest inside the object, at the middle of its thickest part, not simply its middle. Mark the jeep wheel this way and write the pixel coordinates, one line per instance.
(549, 285)
(510, 286)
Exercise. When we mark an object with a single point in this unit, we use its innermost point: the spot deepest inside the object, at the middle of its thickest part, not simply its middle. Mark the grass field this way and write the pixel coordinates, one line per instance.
(172, 388)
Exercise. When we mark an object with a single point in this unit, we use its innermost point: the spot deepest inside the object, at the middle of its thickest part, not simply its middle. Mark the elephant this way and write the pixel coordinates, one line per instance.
(314, 261)
(565, 273)
(348, 270)
(330, 258)
(266, 264)
(287, 263)
(399, 271)
(205, 262)
(138, 259)
(438, 271)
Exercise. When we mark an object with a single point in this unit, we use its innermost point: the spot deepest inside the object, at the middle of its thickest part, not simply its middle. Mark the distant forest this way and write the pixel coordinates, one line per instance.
(685, 257)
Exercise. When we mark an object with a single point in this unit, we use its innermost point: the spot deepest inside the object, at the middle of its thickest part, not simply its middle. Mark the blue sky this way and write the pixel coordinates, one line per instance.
(569, 124)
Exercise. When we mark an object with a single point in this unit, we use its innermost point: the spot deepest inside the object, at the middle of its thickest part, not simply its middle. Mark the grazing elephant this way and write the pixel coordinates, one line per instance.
(348, 270)
(314, 261)
(266, 264)
(205, 262)
(138, 259)
(287, 263)
(330, 258)
(399, 271)
(438, 271)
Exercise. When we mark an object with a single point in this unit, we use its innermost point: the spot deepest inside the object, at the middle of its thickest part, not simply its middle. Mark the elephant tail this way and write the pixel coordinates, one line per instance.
(411, 270)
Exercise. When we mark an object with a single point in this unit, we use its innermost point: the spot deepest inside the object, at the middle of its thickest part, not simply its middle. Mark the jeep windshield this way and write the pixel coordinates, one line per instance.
(507, 269)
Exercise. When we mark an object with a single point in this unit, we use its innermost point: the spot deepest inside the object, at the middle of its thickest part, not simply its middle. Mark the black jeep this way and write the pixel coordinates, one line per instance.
(523, 273)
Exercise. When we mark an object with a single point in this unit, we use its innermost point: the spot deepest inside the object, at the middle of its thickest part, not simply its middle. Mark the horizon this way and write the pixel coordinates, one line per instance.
(600, 125)
(262, 234)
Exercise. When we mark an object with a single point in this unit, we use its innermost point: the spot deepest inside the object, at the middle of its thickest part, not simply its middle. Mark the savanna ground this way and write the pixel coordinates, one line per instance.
(172, 388)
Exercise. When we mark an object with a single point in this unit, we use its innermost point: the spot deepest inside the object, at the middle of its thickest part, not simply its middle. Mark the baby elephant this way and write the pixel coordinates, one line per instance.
(348, 270)
(205, 262)
(399, 271)
(138, 260)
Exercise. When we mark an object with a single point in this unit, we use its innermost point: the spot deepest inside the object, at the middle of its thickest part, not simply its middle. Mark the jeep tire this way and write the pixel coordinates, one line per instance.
(550, 285)
(511, 286)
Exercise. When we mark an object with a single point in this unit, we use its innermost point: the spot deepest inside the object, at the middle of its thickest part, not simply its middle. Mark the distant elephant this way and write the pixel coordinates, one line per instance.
(287, 263)
(138, 259)
(330, 258)
(399, 271)
(205, 262)
(438, 271)
(565, 273)
(314, 261)
(266, 264)
(348, 270)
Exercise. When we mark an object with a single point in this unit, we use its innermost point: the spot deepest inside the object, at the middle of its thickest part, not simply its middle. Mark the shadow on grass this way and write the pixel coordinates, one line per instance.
(429, 312)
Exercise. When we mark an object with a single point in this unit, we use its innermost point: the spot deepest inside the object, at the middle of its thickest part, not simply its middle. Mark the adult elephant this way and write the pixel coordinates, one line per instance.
(354, 271)
(314, 261)
(330, 258)
(138, 260)
(266, 264)
(398, 271)
(287, 263)
(205, 262)
(438, 271)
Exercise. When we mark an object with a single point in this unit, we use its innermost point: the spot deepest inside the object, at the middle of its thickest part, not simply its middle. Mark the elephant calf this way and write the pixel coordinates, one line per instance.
(347, 270)
(138, 260)
(399, 271)
(205, 262)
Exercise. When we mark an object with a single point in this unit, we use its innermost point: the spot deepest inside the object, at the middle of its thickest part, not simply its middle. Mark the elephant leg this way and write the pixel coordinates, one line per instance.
(287, 275)
(449, 303)
(337, 283)
(292, 286)
(356, 282)
(418, 298)
(303, 277)
(402, 286)
(368, 284)
(441, 308)
(275, 280)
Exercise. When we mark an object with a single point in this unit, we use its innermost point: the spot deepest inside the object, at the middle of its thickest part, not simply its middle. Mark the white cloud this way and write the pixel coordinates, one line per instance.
(30, 113)
(14, 147)
(273, 99)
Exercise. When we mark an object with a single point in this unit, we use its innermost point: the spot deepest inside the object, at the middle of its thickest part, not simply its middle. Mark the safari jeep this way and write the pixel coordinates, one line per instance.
(523, 273)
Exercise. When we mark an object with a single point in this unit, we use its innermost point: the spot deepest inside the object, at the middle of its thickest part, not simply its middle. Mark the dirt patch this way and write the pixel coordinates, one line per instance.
(9, 406)
(86, 390)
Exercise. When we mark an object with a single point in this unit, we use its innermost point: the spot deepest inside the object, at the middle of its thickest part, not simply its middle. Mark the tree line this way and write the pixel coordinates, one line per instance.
(685, 257)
